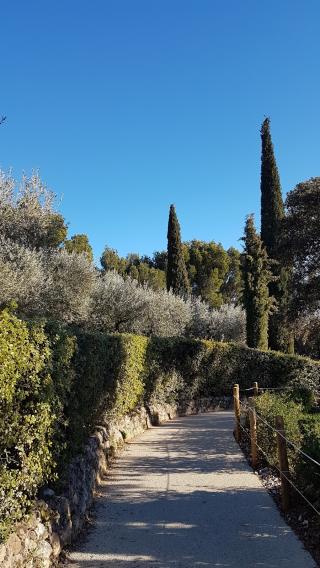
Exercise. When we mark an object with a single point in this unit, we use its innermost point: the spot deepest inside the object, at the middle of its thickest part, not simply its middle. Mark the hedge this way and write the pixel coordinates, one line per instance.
(26, 416)
(57, 383)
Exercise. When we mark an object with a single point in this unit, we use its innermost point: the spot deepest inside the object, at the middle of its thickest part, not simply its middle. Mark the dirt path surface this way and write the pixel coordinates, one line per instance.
(183, 496)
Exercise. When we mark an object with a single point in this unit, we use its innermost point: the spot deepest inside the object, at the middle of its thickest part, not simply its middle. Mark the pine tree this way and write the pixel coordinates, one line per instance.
(257, 275)
(177, 276)
(272, 216)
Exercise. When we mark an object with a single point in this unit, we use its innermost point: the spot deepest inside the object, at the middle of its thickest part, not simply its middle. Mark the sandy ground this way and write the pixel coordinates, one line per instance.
(182, 496)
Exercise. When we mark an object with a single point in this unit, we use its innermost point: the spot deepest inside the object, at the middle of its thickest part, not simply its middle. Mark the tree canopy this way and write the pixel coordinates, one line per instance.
(79, 244)
(301, 244)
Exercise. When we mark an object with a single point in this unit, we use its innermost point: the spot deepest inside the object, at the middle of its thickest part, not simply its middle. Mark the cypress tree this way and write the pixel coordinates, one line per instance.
(272, 208)
(256, 273)
(177, 276)
(272, 216)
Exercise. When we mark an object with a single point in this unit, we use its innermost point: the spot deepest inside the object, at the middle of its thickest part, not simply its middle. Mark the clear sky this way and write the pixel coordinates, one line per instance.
(127, 106)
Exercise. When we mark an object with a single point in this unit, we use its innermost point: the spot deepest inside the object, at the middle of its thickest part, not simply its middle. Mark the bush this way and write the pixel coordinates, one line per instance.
(308, 473)
(26, 416)
(301, 428)
(269, 406)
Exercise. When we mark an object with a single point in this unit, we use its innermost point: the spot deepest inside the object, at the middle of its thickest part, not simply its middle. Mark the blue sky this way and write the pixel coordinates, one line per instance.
(127, 106)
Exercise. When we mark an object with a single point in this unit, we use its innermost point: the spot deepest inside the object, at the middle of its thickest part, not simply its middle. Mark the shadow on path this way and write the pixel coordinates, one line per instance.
(183, 496)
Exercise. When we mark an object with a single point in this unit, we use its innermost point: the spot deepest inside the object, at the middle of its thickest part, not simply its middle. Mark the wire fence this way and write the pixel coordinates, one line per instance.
(245, 407)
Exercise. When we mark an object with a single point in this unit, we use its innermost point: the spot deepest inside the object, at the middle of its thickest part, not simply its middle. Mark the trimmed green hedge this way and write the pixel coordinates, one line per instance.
(109, 379)
(26, 416)
(210, 368)
(55, 384)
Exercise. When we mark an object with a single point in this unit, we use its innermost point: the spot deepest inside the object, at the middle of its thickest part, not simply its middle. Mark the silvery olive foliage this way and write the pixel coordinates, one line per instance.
(48, 281)
(226, 323)
(116, 303)
(72, 279)
(27, 213)
(122, 305)
(23, 277)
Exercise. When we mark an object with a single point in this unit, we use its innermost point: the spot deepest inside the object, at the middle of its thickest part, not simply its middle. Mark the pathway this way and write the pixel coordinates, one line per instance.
(182, 496)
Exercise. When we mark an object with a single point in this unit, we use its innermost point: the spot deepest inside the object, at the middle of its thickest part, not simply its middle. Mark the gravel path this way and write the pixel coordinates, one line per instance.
(182, 496)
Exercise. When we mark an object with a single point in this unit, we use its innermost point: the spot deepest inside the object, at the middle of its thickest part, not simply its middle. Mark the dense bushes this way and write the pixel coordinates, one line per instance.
(268, 406)
(302, 429)
(26, 416)
(308, 472)
(56, 384)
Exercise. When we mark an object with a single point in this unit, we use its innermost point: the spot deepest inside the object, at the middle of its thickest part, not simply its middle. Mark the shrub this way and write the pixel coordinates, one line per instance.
(268, 406)
(26, 416)
(308, 473)
(301, 428)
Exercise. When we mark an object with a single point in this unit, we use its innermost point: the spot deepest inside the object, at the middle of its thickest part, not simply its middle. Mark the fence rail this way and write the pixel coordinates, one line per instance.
(282, 442)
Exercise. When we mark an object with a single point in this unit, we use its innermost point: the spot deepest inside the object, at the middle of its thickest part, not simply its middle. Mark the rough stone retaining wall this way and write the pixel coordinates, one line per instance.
(58, 519)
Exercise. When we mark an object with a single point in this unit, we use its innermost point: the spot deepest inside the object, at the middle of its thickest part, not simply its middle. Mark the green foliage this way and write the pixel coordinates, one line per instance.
(55, 387)
(179, 358)
(207, 265)
(177, 276)
(272, 209)
(138, 268)
(145, 274)
(79, 244)
(56, 232)
(130, 378)
(214, 273)
(26, 416)
(256, 278)
(301, 428)
(210, 368)
(269, 406)
(232, 285)
(307, 472)
(110, 260)
(109, 380)
(301, 243)
(272, 217)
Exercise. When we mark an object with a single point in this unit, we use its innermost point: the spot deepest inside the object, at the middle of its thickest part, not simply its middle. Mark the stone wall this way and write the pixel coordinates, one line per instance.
(58, 519)
(34, 544)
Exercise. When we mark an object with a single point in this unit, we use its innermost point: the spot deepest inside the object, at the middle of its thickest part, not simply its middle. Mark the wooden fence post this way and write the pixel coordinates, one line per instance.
(236, 405)
(283, 462)
(253, 432)
(255, 389)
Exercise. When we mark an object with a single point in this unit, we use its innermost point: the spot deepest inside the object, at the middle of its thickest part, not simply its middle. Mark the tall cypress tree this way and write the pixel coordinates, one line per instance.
(177, 276)
(257, 275)
(272, 208)
(272, 215)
